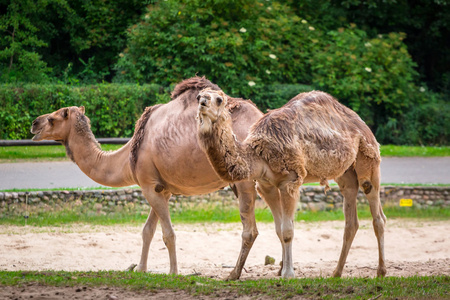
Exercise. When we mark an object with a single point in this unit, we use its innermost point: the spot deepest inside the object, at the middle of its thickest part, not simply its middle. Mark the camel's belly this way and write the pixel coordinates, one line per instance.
(328, 164)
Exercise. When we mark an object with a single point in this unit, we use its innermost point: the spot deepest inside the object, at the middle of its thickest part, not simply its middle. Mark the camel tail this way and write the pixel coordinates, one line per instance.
(370, 147)
(139, 133)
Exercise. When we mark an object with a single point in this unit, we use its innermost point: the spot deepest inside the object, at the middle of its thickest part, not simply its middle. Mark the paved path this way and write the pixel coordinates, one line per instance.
(65, 174)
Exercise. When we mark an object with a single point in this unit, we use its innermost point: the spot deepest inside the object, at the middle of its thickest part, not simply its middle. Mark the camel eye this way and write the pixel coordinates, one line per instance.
(50, 120)
(219, 100)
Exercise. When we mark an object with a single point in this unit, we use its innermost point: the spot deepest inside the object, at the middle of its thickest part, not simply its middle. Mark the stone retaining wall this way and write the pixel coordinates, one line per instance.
(311, 197)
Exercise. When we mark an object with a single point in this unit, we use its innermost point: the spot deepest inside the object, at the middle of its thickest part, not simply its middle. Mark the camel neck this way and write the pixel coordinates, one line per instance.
(107, 168)
(227, 155)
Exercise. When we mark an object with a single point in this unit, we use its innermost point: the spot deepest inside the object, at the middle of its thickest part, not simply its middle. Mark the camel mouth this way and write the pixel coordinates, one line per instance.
(37, 135)
(36, 138)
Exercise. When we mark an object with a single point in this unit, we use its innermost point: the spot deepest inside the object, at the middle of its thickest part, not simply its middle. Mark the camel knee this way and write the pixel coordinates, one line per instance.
(248, 237)
(287, 232)
(169, 238)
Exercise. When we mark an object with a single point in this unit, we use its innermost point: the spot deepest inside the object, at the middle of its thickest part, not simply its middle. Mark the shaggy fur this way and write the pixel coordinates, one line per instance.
(223, 152)
(195, 83)
(139, 133)
(312, 134)
(188, 90)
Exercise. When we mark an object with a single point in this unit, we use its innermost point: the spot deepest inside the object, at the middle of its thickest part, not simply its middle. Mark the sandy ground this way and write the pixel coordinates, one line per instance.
(411, 247)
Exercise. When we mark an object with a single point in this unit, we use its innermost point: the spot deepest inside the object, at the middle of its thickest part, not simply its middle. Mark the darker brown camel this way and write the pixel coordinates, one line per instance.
(313, 138)
(163, 158)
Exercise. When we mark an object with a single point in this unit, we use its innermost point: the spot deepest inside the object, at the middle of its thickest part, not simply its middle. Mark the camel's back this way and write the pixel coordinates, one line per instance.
(319, 114)
(315, 127)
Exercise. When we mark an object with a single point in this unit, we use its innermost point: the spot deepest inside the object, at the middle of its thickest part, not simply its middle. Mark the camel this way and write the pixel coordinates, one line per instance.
(163, 157)
(312, 138)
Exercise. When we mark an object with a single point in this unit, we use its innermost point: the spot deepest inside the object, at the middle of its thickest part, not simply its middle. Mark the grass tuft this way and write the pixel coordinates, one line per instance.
(41, 153)
(433, 287)
(136, 214)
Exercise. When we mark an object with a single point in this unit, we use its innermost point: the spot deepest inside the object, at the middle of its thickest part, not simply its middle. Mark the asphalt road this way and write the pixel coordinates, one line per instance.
(66, 174)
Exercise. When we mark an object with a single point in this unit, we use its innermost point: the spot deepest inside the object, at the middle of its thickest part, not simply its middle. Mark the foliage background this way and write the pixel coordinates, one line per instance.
(388, 60)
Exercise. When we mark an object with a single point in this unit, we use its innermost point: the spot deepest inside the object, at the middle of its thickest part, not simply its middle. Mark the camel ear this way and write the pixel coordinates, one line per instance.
(65, 113)
(198, 97)
(81, 108)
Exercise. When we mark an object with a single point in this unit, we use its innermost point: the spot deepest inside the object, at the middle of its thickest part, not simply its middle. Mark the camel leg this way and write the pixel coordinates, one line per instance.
(160, 205)
(289, 205)
(271, 195)
(368, 172)
(247, 195)
(348, 183)
(147, 235)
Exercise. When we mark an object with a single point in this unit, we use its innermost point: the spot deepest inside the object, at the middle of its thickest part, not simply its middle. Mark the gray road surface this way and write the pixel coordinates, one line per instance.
(66, 174)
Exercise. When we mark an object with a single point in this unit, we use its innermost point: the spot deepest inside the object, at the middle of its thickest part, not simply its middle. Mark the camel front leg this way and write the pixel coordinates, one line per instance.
(247, 195)
(160, 205)
(271, 195)
(147, 235)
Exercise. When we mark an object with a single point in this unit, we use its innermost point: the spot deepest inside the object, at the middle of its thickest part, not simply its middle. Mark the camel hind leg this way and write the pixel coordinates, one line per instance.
(348, 183)
(159, 202)
(272, 197)
(147, 235)
(368, 171)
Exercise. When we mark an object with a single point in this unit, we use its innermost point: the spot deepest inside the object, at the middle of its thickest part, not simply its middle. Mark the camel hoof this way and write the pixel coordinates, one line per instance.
(337, 274)
(141, 269)
(288, 274)
(233, 276)
(381, 272)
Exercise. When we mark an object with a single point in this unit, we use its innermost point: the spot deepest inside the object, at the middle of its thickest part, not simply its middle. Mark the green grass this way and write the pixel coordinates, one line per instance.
(408, 151)
(204, 214)
(41, 153)
(19, 153)
(433, 287)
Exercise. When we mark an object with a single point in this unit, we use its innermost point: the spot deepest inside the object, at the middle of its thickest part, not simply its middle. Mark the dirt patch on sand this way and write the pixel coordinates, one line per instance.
(411, 247)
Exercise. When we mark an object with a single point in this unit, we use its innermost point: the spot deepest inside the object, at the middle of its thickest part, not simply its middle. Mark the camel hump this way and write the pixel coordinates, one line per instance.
(323, 106)
(139, 133)
(195, 83)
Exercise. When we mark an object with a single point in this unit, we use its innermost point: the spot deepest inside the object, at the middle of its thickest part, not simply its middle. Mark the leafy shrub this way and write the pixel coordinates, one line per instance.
(424, 124)
(374, 77)
(112, 108)
(275, 96)
(240, 45)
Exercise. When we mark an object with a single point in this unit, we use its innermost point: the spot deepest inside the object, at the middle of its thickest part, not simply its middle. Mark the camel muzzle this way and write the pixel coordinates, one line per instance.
(203, 102)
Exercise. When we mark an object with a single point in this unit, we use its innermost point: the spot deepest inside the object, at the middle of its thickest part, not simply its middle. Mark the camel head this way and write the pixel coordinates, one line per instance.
(57, 125)
(211, 107)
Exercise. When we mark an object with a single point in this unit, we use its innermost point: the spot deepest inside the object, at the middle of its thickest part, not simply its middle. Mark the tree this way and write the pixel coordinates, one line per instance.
(19, 41)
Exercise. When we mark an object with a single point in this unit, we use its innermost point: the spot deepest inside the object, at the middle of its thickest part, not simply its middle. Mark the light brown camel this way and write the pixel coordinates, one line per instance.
(313, 138)
(163, 158)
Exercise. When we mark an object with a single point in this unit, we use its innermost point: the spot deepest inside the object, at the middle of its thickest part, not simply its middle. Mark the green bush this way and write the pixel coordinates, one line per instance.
(374, 77)
(112, 108)
(275, 96)
(424, 124)
(241, 45)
